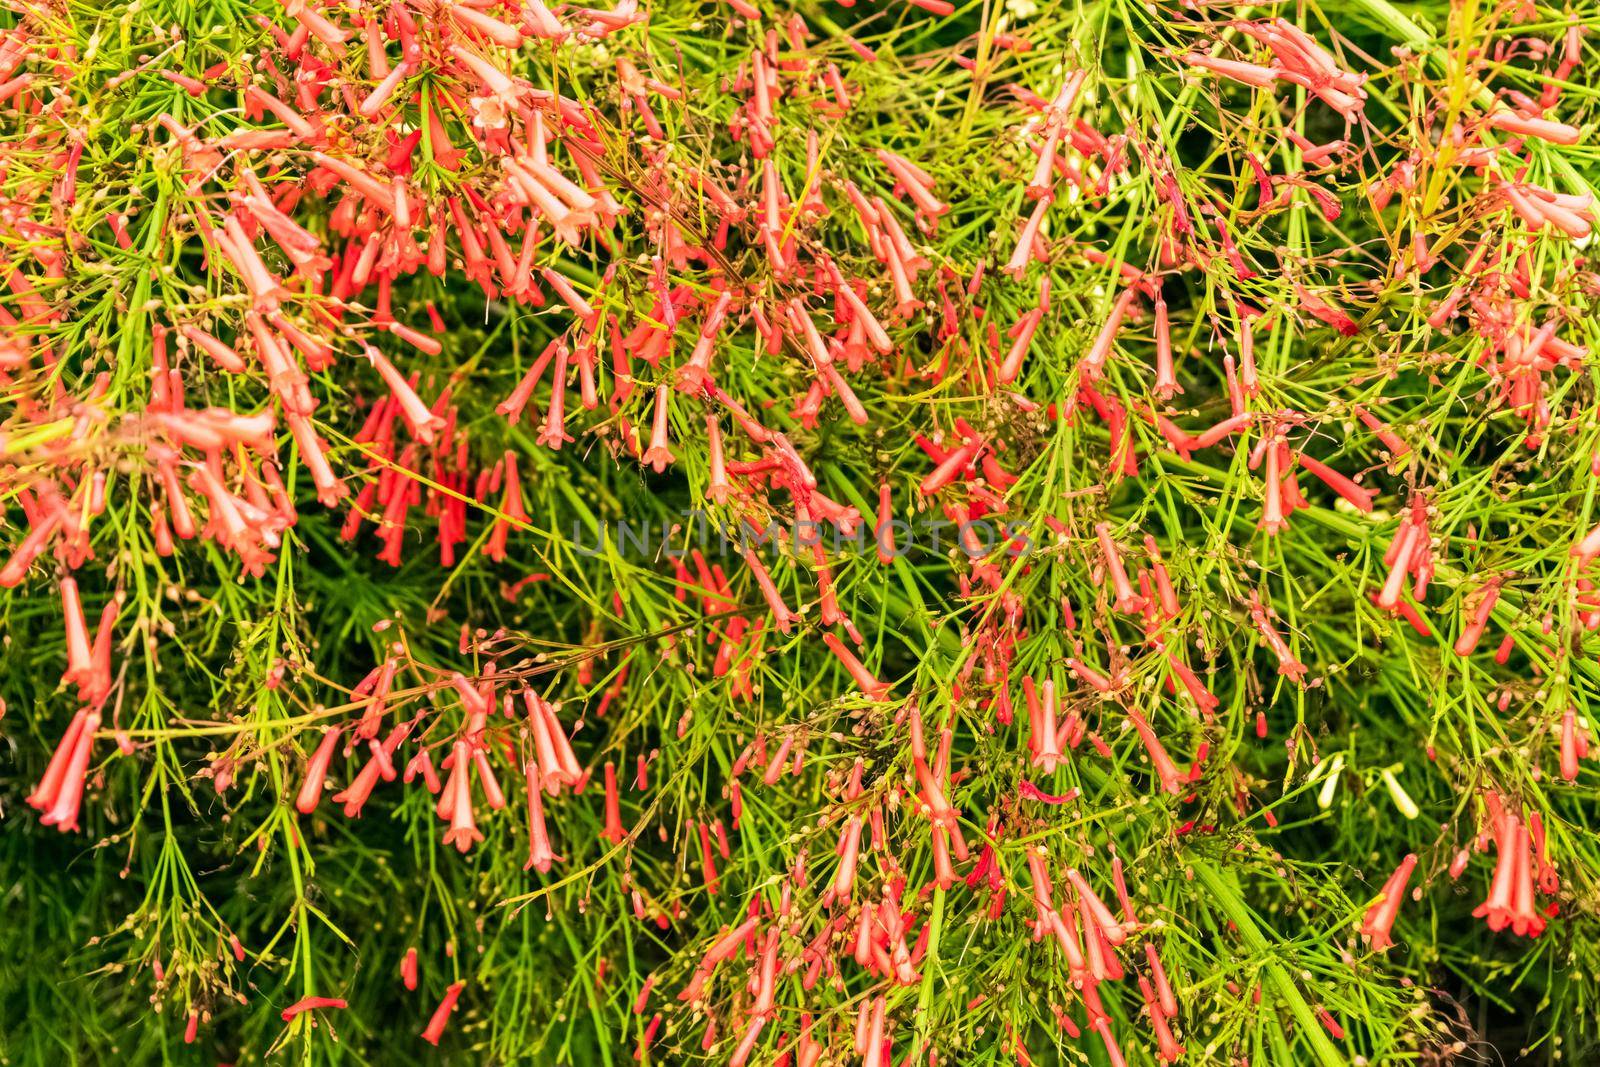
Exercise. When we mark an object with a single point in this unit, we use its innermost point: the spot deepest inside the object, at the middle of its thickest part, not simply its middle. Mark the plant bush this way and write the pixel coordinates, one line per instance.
(901, 532)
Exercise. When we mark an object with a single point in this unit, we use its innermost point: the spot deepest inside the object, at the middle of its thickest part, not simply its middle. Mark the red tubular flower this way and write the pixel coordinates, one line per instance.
(80, 658)
(1094, 360)
(849, 850)
(540, 855)
(1042, 732)
(59, 793)
(1102, 1026)
(1392, 441)
(1380, 917)
(1472, 632)
(310, 794)
(1164, 998)
(313, 1003)
(949, 468)
(781, 615)
(883, 531)
(421, 421)
(1245, 73)
(613, 831)
(380, 766)
(1164, 590)
(329, 489)
(1358, 497)
(874, 689)
(1544, 129)
(554, 431)
(1028, 247)
(1272, 519)
(41, 528)
(1166, 379)
(556, 759)
(1589, 547)
(708, 864)
(458, 793)
(1127, 600)
(1510, 900)
(1399, 560)
(1569, 745)
(1110, 928)
(718, 488)
(1172, 779)
(510, 506)
(1167, 1047)
(441, 1015)
(659, 455)
(1288, 665)
(513, 405)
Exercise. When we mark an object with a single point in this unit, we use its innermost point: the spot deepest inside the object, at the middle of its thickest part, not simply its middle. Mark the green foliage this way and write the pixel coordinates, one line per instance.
(1252, 884)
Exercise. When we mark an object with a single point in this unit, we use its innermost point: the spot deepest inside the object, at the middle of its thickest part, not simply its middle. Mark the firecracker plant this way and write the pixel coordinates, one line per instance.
(891, 532)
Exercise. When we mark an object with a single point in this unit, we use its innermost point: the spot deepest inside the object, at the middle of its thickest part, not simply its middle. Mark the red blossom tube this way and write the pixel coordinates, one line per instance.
(43, 528)
(540, 855)
(554, 431)
(874, 689)
(883, 531)
(1095, 360)
(1392, 441)
(1272, 519)
(1252, 74)
(373, 104)
(317, 772)
(1109, 926)
(80, 656)
(613, 831)
(1380, 917)
(949, 468)
(1545, 129)
(849, 849)
(225, 356)
(1167, 1047)
(68, 797)
(329, 489)
(1497, 907)
(659, 455)
(1022, 338)
(1358, 497)
(1127, 601)
(1588, 548)
(781, 614)
(512, 406)
(44, 794)
(1164, 591)
(1164, 998)
(1172, 779)
(419, 418)
(441, 1015)
(1472, 633)
(1400, 552)
(1226, 428)
(1569, 745)
(1027, 239)
(312, 1003)
(1166, 379)
(456, 801)
(1288, 665)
